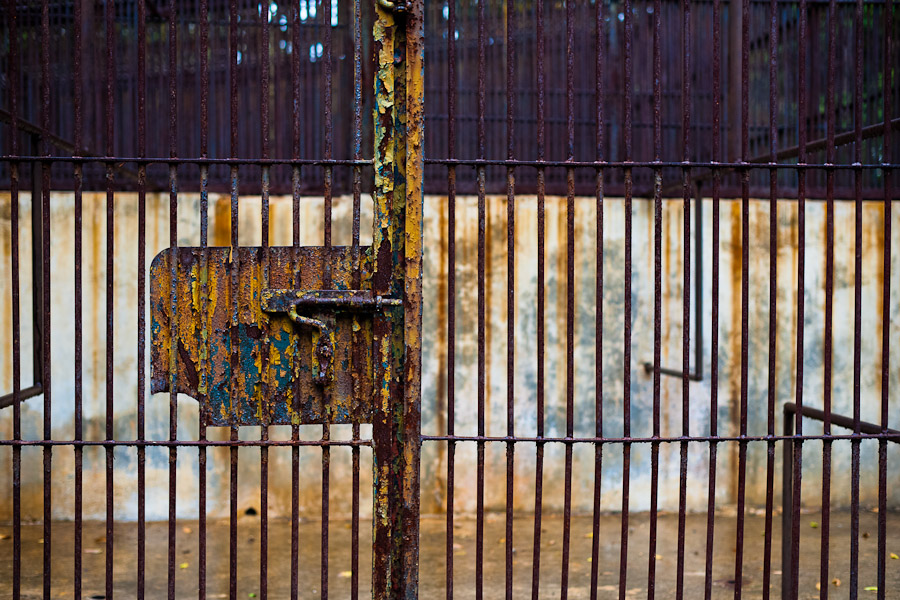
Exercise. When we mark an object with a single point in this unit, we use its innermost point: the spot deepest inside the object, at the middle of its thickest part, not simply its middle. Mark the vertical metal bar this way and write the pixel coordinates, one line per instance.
(451, 287)
(657, 296)
(357, 341)
(37, 259)
(13, 74)
(311, 78)
(787, 513)
(745, 295)
(329, 124)
(797, 445)
(412, 296)
(887, 72)
(141, 301)
(234, 349)
(857, 296)
(16, 352)
(482, 323)
(326, 430)
(264, 367)
(699, 350)
(79, 179)
(399, 477)
(829, 305)
(714, 317)
(598, 304)
(736, 87)
(510, 284)
(110, 116)
(626, 395)
(45, 289)
(773, 295)
(205, 369)
(384, 125)
(539, 446)
(570, 293)
(295, 233)
(295, 429)
(686, 304)
(173, 243)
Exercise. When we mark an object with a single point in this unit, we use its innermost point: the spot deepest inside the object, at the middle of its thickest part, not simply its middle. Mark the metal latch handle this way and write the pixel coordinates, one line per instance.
(293, 302)
(274, 300)
(324, 349)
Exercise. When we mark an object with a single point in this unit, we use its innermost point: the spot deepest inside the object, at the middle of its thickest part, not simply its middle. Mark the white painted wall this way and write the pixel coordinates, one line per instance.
(434, 399)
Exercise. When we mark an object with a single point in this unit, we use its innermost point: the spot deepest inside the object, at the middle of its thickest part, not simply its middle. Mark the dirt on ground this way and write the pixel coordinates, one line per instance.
(433, 563)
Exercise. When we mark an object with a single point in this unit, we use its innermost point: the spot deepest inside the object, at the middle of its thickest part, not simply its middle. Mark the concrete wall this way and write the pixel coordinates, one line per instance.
(434, 398)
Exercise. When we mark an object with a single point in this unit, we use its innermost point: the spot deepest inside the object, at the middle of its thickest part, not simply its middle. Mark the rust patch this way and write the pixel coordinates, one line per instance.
(278, 379)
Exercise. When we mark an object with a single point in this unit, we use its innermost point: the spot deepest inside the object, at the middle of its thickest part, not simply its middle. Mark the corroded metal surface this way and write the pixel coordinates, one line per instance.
(411, 406)
(384, 501)
(294, 364)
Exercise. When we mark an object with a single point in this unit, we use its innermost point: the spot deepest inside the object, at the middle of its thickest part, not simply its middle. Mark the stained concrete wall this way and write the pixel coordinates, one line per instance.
(434, 400)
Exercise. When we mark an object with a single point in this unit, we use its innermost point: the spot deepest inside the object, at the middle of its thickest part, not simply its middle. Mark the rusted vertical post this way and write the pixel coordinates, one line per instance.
(397, 217)
(412, 295)
(399, 165)
(383, 36)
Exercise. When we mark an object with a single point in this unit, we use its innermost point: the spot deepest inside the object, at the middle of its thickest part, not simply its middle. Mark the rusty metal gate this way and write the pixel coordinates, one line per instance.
(260, 336)
(607, 111)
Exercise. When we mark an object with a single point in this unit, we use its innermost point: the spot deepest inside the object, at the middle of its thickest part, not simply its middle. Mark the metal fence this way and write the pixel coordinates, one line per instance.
(597, 102)
(285, 44)
(353, 295)
(635, 139)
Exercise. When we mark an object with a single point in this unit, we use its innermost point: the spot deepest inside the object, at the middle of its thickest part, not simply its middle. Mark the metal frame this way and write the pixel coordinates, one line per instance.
(398, 162)
(793, 414)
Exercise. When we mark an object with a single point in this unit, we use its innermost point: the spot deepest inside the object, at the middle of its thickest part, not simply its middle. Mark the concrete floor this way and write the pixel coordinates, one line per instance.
(433, 544)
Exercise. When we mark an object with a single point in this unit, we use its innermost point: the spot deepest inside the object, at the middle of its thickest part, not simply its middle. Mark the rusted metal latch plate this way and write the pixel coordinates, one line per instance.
(290, 352)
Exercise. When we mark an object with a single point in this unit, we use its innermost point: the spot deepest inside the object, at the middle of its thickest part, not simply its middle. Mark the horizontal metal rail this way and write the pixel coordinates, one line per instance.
(847, 137)
(31, 391)
(889, 435)
(196, 160)
(194, 443)
(473, 162)
(840, 420)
